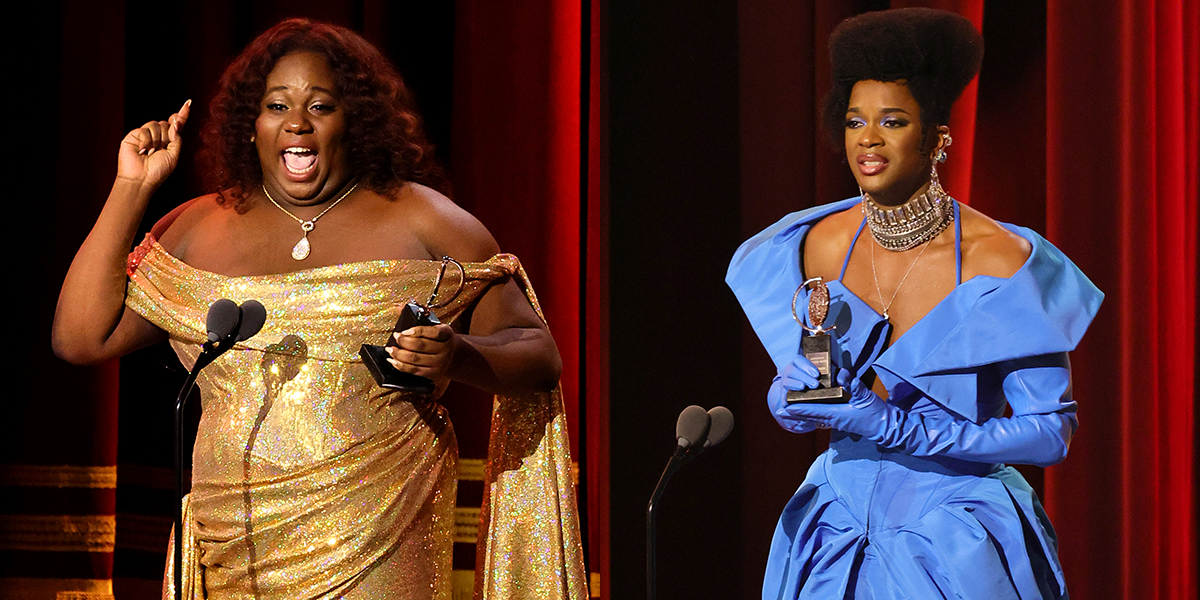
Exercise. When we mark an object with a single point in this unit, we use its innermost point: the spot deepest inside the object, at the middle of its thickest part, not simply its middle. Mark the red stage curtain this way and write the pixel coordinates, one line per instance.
(515, 150)
(516, 164)
(1121, 159)
(594, 324)
(58, 453)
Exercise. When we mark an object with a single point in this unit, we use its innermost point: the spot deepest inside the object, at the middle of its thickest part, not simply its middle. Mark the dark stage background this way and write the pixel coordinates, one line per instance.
(623, 150)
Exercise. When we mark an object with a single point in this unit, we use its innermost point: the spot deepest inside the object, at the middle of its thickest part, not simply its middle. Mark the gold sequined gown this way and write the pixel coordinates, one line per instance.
(310, 481)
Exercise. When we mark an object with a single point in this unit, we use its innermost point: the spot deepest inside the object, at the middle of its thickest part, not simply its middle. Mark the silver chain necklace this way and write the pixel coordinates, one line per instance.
(889, 303)
(302, 248)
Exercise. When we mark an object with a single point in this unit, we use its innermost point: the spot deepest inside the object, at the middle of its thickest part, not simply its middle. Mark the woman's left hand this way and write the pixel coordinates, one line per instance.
(865, 414)
(1032, 438)
(425, 350)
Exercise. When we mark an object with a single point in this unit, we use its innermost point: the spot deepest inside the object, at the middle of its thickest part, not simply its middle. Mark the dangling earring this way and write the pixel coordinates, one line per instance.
(935, 185)
(252, 140)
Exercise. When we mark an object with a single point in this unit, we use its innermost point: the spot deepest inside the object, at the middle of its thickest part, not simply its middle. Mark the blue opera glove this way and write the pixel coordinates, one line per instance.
(1039, 431)
(798, 375)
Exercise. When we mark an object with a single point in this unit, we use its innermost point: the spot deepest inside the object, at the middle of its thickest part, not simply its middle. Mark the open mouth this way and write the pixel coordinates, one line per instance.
(871, 164)
(299, 160)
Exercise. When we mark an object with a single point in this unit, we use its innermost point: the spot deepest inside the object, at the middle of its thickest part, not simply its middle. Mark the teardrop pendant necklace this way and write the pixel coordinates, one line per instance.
(302, 248)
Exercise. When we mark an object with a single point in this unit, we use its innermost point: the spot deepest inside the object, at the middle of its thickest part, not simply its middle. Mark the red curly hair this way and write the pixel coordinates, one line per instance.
(387, 144)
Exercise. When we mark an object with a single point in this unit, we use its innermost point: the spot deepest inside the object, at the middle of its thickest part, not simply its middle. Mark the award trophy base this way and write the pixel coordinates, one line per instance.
(817, 348)
(375, 357)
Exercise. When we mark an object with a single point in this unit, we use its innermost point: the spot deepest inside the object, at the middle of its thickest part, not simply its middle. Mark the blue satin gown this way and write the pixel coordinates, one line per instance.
(935, 518)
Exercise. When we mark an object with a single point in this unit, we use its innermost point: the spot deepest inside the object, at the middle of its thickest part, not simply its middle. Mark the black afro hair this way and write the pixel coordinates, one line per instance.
(935, 52)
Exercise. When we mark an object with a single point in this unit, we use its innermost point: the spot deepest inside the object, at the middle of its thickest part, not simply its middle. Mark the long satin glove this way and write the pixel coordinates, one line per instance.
(798, 375)
(1039, 431)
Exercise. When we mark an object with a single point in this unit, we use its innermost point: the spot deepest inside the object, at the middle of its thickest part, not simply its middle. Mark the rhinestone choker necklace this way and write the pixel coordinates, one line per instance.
(913, 223)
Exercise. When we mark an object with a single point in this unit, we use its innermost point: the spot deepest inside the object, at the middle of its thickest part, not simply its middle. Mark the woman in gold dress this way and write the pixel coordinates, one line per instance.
(309, 480)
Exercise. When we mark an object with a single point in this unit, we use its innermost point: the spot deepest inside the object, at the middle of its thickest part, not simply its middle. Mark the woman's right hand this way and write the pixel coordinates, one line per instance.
(150, 153)
(91, 323)
(798, 375)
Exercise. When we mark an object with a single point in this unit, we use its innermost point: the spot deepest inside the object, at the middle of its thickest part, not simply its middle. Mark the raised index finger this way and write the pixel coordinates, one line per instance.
(184, 111)
(180, 118)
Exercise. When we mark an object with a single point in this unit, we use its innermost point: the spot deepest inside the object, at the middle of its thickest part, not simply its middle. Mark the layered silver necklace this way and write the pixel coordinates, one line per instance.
(913, 223)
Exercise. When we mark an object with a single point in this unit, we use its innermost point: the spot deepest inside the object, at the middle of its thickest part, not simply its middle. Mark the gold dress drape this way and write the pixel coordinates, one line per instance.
(310, 481)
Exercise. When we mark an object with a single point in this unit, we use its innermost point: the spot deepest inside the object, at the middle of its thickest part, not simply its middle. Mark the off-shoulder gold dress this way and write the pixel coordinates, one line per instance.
(310, 481)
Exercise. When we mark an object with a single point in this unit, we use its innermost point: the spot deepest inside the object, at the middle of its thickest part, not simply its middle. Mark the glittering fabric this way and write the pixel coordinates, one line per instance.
(187, 559)
(309, 481)
(523, 550)
(524, 553)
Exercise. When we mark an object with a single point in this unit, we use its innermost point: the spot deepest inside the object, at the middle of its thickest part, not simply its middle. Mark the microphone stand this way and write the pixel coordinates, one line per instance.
(695, 430)
(652, 522)
(210, 351)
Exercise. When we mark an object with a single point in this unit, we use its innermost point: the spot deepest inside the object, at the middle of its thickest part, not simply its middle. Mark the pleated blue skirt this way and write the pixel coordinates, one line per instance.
(867, 524)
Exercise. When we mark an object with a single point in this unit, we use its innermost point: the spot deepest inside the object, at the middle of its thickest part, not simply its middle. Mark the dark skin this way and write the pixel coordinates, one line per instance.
(501, 346)
(890, 157)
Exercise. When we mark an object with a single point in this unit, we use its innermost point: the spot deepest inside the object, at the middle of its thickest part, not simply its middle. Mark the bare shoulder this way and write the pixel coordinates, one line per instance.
(442, 226)
(826, 244)
(989, 248)
(173, 230)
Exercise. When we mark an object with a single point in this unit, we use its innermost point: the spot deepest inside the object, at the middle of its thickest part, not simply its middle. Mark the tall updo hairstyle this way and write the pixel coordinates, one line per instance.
(934, 52)
(384, 135)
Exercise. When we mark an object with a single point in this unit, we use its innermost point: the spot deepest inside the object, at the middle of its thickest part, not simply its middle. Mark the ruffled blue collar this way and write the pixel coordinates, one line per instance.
(1044, 308)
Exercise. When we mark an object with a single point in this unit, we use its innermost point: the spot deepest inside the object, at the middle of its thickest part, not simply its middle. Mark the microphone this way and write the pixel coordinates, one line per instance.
(695, 430)
(254, 316)
(222, 320)
(692, 427)
(722, 425)
(226, 323)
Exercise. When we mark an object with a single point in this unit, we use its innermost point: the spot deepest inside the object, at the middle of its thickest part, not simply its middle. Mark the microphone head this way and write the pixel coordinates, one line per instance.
(692, 426)
(222, 320)
(722, 425)
(254, 315)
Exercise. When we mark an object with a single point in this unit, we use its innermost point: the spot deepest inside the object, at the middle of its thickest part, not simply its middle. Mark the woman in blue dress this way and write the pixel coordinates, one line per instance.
(941, 318)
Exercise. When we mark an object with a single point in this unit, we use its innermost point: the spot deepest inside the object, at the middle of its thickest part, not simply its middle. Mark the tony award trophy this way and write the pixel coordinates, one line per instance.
(412, 315)
(817, 347)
